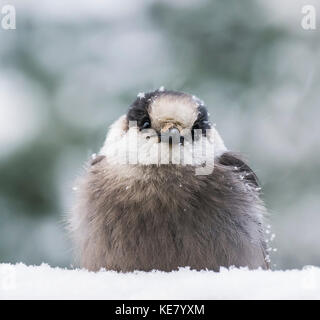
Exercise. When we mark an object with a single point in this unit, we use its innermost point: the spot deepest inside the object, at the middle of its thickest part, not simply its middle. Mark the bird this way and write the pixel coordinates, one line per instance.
(151, 199)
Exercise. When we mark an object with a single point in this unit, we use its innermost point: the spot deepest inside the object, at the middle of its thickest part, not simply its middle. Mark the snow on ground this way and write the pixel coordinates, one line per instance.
(44, 282)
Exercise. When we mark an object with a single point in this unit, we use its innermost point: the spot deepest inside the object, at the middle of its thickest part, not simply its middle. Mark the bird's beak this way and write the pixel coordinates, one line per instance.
(170, 133)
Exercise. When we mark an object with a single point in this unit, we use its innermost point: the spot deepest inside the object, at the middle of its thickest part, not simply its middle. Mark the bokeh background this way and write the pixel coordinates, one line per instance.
(72, 67)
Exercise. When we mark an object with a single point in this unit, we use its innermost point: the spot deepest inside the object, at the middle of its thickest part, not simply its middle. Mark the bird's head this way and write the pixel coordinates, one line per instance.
(162, 127)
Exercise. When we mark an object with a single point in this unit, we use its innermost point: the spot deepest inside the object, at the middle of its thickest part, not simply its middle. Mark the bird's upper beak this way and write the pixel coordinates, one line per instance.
(171, 133)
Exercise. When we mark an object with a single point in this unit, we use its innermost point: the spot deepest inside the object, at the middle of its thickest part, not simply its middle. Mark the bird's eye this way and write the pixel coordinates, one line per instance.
(146, 125)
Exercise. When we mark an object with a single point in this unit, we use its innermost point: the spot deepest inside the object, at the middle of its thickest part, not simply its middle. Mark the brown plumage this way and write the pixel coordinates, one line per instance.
(153, 216)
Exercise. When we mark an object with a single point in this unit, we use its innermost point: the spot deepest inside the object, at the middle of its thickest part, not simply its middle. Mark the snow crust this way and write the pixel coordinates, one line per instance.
(44, 282)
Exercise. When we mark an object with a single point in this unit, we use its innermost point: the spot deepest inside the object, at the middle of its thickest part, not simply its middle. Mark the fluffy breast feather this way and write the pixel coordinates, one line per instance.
(143, 218)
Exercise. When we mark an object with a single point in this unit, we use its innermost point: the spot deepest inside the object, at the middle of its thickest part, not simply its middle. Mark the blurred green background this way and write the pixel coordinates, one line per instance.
(72, 67)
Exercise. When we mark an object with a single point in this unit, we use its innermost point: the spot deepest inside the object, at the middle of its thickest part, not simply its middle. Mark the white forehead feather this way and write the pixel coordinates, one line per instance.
(179, 108)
